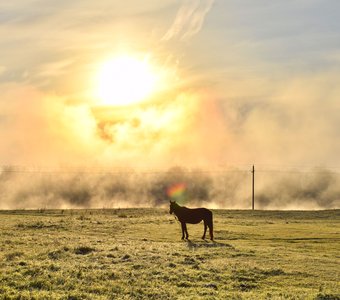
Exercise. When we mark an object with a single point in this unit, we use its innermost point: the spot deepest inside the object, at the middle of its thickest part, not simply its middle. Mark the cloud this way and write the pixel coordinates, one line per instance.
(189, 20)
(163, 132)
(58, 46)
(40, 128)
(45, 129)
(2, 69)
(290, 121)
(293, 122)
(54, 69)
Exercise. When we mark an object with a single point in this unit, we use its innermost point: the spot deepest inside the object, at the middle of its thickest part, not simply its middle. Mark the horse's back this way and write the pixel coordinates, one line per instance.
(203, 210)
(196, 215)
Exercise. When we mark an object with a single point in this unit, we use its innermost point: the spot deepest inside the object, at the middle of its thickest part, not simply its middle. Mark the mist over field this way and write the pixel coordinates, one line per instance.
(29, 189)
(230, 84)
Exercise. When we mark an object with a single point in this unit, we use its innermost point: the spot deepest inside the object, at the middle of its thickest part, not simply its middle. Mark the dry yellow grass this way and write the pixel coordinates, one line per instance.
(138, 254)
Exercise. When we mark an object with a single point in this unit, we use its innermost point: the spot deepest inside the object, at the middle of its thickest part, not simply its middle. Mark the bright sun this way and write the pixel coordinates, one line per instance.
(125, 80)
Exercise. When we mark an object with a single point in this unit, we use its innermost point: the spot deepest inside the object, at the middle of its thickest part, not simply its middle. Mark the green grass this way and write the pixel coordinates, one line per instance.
(138, 254)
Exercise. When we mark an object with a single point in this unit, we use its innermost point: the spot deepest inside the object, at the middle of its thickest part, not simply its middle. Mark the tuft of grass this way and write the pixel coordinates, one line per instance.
(172, 265)
(273, 272)
(39, 225)
(211, 286)
(83, 250)
(189, 261)
(13, 255)
(56, 254)
(184, 284)
(40, 284)
(123, 216)
(126, 257)
(322, 296)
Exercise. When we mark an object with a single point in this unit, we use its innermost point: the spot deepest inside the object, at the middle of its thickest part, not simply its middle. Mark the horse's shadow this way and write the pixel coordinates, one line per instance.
(207, 244)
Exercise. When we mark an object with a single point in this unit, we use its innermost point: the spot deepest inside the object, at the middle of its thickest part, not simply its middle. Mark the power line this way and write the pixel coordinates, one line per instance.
(113, 171)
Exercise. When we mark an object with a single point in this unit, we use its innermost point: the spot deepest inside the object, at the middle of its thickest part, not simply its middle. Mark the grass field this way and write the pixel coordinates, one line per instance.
(138, 254)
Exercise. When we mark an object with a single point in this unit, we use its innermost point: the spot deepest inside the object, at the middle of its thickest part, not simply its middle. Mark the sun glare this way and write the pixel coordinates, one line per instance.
(125, 80)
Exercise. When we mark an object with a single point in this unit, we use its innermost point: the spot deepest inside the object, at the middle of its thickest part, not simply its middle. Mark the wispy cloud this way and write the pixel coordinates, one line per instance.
(2, 69)
(189, 19)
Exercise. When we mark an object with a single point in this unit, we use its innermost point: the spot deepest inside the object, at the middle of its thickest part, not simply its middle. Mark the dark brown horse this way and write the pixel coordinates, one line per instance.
(193, 216)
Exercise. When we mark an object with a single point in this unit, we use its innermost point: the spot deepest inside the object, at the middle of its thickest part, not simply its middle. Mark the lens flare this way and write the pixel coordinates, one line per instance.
(177, 192)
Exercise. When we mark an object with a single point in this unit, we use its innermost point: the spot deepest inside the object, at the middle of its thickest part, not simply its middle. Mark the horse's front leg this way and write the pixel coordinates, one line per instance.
(186, 231)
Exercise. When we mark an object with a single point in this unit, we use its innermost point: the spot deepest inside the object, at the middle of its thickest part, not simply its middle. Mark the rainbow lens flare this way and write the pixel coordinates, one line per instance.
(177, 191)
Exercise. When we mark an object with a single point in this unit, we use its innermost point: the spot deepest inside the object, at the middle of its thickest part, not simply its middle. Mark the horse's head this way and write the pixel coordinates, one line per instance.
(172, 206)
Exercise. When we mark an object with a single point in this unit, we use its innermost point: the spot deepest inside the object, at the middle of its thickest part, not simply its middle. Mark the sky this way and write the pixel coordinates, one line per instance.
(240, 83)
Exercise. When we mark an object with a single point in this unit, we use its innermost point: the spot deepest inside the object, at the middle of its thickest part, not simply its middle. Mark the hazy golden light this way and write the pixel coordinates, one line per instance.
(125, 80)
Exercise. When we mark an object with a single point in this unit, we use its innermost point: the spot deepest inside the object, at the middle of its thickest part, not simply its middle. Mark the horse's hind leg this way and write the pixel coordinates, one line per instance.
(183, 230)
(211, 227)
(205, 230)
(211, 232)
(186, 231)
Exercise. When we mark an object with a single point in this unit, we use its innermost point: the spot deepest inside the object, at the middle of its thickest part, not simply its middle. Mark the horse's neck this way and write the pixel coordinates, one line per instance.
(178, 209)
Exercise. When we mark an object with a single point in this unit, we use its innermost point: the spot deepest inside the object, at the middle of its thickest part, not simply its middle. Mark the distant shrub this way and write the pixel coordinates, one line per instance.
(80, 196)
(117, 187)
(198, 185)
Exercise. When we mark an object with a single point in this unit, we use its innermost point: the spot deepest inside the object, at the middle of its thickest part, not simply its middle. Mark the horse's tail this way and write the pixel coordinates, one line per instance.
(211, 225)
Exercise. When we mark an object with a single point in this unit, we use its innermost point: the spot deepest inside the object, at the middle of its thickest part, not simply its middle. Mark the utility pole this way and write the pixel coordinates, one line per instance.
(253, 190)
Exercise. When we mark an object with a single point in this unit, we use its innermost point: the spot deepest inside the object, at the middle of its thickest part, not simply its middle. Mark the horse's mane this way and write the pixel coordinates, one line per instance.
(175, 203)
